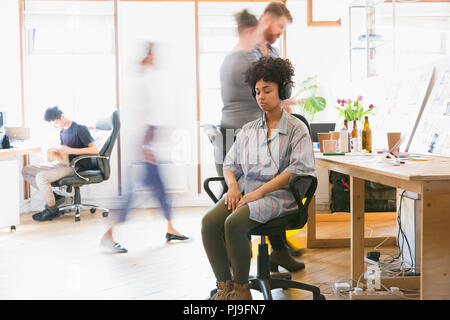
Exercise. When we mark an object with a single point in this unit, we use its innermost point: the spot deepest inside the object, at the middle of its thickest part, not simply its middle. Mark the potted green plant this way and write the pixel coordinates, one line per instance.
(353, 110)
(308, 103)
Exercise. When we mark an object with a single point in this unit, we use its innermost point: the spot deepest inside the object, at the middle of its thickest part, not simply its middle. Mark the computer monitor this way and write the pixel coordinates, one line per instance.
(2, 128)
(2, 119)
(317, 127)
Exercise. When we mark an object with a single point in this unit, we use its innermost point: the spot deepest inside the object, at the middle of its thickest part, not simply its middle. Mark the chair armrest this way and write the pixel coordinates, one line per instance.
(208, 189)
(309, 192)
(81, 157)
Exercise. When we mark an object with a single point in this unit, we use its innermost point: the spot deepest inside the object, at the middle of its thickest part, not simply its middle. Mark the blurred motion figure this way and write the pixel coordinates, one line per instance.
(147, 148)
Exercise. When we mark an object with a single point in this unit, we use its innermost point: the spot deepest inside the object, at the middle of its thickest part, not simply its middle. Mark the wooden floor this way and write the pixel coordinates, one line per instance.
(61, 259)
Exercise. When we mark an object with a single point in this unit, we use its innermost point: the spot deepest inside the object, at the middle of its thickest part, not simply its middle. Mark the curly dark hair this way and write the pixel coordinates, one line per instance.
(53, 113)
(270, 69)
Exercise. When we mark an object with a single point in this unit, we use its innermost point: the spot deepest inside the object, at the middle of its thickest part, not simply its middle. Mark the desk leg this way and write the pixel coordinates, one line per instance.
(311, 225)
(435, 240)
(26, 186)
(357, 227)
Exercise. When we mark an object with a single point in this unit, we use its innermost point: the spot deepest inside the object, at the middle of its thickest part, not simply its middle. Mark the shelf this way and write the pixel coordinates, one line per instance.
(363, 3)
(374, 44)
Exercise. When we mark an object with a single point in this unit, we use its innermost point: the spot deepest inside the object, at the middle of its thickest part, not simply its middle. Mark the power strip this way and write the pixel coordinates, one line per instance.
(375, 295)
(339, 287)
(375, 263)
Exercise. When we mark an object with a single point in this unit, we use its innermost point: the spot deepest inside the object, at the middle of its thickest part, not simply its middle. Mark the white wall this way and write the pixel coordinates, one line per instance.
(10, 97)
(321, 51)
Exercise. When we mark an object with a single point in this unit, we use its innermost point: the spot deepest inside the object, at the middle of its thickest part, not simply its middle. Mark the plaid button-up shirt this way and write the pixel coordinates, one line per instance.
(255, 160)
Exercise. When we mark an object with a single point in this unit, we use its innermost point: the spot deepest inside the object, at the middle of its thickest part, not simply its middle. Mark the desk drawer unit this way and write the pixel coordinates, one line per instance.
(9, 193)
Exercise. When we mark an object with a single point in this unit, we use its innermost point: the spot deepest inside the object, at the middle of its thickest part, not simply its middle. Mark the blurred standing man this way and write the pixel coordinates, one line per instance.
(255, 41)
(272, 25)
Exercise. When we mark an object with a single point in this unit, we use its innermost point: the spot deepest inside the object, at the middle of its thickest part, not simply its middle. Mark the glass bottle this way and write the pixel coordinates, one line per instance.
(354, 137)
(344, 140)
(349, 136)
(367, 136)
(355, 130)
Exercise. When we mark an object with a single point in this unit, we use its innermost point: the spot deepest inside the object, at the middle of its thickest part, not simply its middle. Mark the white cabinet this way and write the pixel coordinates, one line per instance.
(9, 193)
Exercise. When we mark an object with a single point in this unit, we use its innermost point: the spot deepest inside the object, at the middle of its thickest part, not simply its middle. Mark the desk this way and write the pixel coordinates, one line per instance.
(9, 186)
(430, 179)
(19, 151)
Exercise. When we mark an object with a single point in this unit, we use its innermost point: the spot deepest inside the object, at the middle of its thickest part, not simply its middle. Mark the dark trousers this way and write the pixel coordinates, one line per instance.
(154, 182)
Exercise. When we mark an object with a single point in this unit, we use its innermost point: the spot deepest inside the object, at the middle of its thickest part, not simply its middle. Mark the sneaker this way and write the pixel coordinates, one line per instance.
(47, 214)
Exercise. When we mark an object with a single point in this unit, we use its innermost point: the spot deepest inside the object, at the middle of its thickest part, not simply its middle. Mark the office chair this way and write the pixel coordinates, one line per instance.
(105, 136)
(303, 188)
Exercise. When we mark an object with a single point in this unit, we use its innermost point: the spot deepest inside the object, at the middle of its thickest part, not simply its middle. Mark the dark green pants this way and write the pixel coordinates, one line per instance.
(225, 239)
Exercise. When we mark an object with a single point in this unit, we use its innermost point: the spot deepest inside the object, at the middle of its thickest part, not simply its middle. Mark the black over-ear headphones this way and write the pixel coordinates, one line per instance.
(284, 91)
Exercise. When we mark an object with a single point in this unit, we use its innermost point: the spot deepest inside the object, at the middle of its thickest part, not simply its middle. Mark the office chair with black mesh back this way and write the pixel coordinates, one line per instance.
(106, 132)
(303, 188)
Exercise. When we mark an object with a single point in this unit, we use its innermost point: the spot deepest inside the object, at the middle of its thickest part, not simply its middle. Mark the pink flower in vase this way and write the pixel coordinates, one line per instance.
(360, 98)
(371, 106)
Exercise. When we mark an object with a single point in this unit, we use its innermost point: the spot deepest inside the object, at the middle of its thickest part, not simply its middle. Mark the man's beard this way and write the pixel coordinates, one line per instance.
(269, 36)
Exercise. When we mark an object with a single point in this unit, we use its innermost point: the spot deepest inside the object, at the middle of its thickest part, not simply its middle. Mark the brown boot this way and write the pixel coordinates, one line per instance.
(284, 259)
(240, 292)
(223, 289)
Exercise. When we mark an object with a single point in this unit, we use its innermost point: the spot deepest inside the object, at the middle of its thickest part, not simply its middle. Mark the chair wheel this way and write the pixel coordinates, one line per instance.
(13, 228)
(105, 214)
(77, 219)
(92, 210)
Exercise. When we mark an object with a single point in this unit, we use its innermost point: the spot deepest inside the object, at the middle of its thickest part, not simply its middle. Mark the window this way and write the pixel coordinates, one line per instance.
(69, 61)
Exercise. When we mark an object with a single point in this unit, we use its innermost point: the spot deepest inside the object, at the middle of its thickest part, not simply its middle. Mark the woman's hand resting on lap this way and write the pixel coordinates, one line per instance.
(233, 197)
(250, 197)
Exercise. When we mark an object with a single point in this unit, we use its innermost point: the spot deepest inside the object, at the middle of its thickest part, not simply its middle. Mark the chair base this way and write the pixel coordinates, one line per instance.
(78, 207)
(265, 285)
(264, 282)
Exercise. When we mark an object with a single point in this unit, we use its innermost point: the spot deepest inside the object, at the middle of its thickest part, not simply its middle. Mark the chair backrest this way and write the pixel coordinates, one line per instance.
(303, 188)
(215, 137)
(105, 135)
(303, 119)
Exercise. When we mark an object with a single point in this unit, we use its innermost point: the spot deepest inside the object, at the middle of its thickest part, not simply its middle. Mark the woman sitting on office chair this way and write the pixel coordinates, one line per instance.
(266, 153)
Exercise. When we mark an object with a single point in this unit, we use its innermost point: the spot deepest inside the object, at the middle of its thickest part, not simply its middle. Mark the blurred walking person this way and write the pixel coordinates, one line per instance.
(152, 178)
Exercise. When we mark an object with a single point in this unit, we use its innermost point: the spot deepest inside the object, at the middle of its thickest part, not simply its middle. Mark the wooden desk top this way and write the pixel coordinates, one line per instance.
(436, 168)
(18, 151)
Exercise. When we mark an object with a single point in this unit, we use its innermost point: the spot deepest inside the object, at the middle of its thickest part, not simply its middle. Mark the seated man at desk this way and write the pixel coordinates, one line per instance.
(75, 140)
